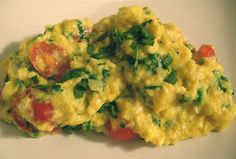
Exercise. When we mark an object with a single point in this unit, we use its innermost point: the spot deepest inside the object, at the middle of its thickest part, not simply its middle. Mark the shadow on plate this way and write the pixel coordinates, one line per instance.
(9, 49)
(110, 142)
(10, 131)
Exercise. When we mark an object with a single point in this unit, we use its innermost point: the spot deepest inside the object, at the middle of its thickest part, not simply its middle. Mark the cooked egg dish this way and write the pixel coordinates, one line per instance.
(128, 76)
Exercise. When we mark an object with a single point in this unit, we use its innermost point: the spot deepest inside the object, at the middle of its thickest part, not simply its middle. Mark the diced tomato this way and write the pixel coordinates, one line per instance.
(205, 51)
(49, 59)
(123, 134)
(42, 111)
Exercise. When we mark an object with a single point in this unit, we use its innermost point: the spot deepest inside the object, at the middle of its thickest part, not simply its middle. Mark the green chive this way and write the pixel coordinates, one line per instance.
(111, 108)
(87, 126)
(75, 73)
(147, 42)
(167, 61)
(90, 49)
(80, 88)
(200, 96)
(103, 36)
(41, 87)
(50, 29)
(56, 88)
(171, 78)
(80, 26)
(154, 87)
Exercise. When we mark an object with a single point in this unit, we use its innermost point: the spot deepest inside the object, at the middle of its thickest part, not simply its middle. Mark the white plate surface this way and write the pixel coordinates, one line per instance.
(208, 21)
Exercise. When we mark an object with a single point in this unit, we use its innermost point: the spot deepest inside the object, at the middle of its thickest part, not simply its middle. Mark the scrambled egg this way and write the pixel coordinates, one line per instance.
(129, 70)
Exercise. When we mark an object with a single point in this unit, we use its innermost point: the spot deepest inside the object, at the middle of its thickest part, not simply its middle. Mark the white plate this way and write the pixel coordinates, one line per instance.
(201, 21)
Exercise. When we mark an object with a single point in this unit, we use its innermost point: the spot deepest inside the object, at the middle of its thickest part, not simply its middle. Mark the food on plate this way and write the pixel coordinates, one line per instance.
(128, 76)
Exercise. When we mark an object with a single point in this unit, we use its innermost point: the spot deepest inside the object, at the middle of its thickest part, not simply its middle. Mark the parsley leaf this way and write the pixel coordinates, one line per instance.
(167, 61)
(111, 108)
(171, 78)
(152, 62)
(80, 88)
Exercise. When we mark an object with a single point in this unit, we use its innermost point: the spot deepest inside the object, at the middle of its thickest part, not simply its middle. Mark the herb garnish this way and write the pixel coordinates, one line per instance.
(171, 78)
(167, 61)
(111, 108)
(80, 88)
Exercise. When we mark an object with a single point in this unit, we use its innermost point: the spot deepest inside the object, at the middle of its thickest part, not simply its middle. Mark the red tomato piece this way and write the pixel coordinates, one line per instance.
(205, 51)
(42, 111)
(123, 134)
(49, 59)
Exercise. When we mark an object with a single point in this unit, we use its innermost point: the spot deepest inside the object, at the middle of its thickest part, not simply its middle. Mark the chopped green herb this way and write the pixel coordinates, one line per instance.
(87, 126)
(201, 61)
(140, 36)
(74, 56)
(105, 74)
(168, 124)
(19, 64)
(222, 85)
(75, 73)
(167, 61)
(184, 100)
(221, 80)
(152, 62)
(41, 87)
(103, 53)
(122, 124)
(9, 111)
(34, 79)
(50, 29)
(189, 46)
(35, 133)
(93, 76)
(171, 78)
(80, 88)
(111, 108)
(80, 26)
(136, 58)
(154, 87)
(30, 67)
(147, 42)
(156, 121)
(7, 78)
(227, 106)
(90, 49)
(104, 36)
(72, 129)
(200, 96)
(113, 111)
(115, 40)
(20, 84)
(56, 88)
